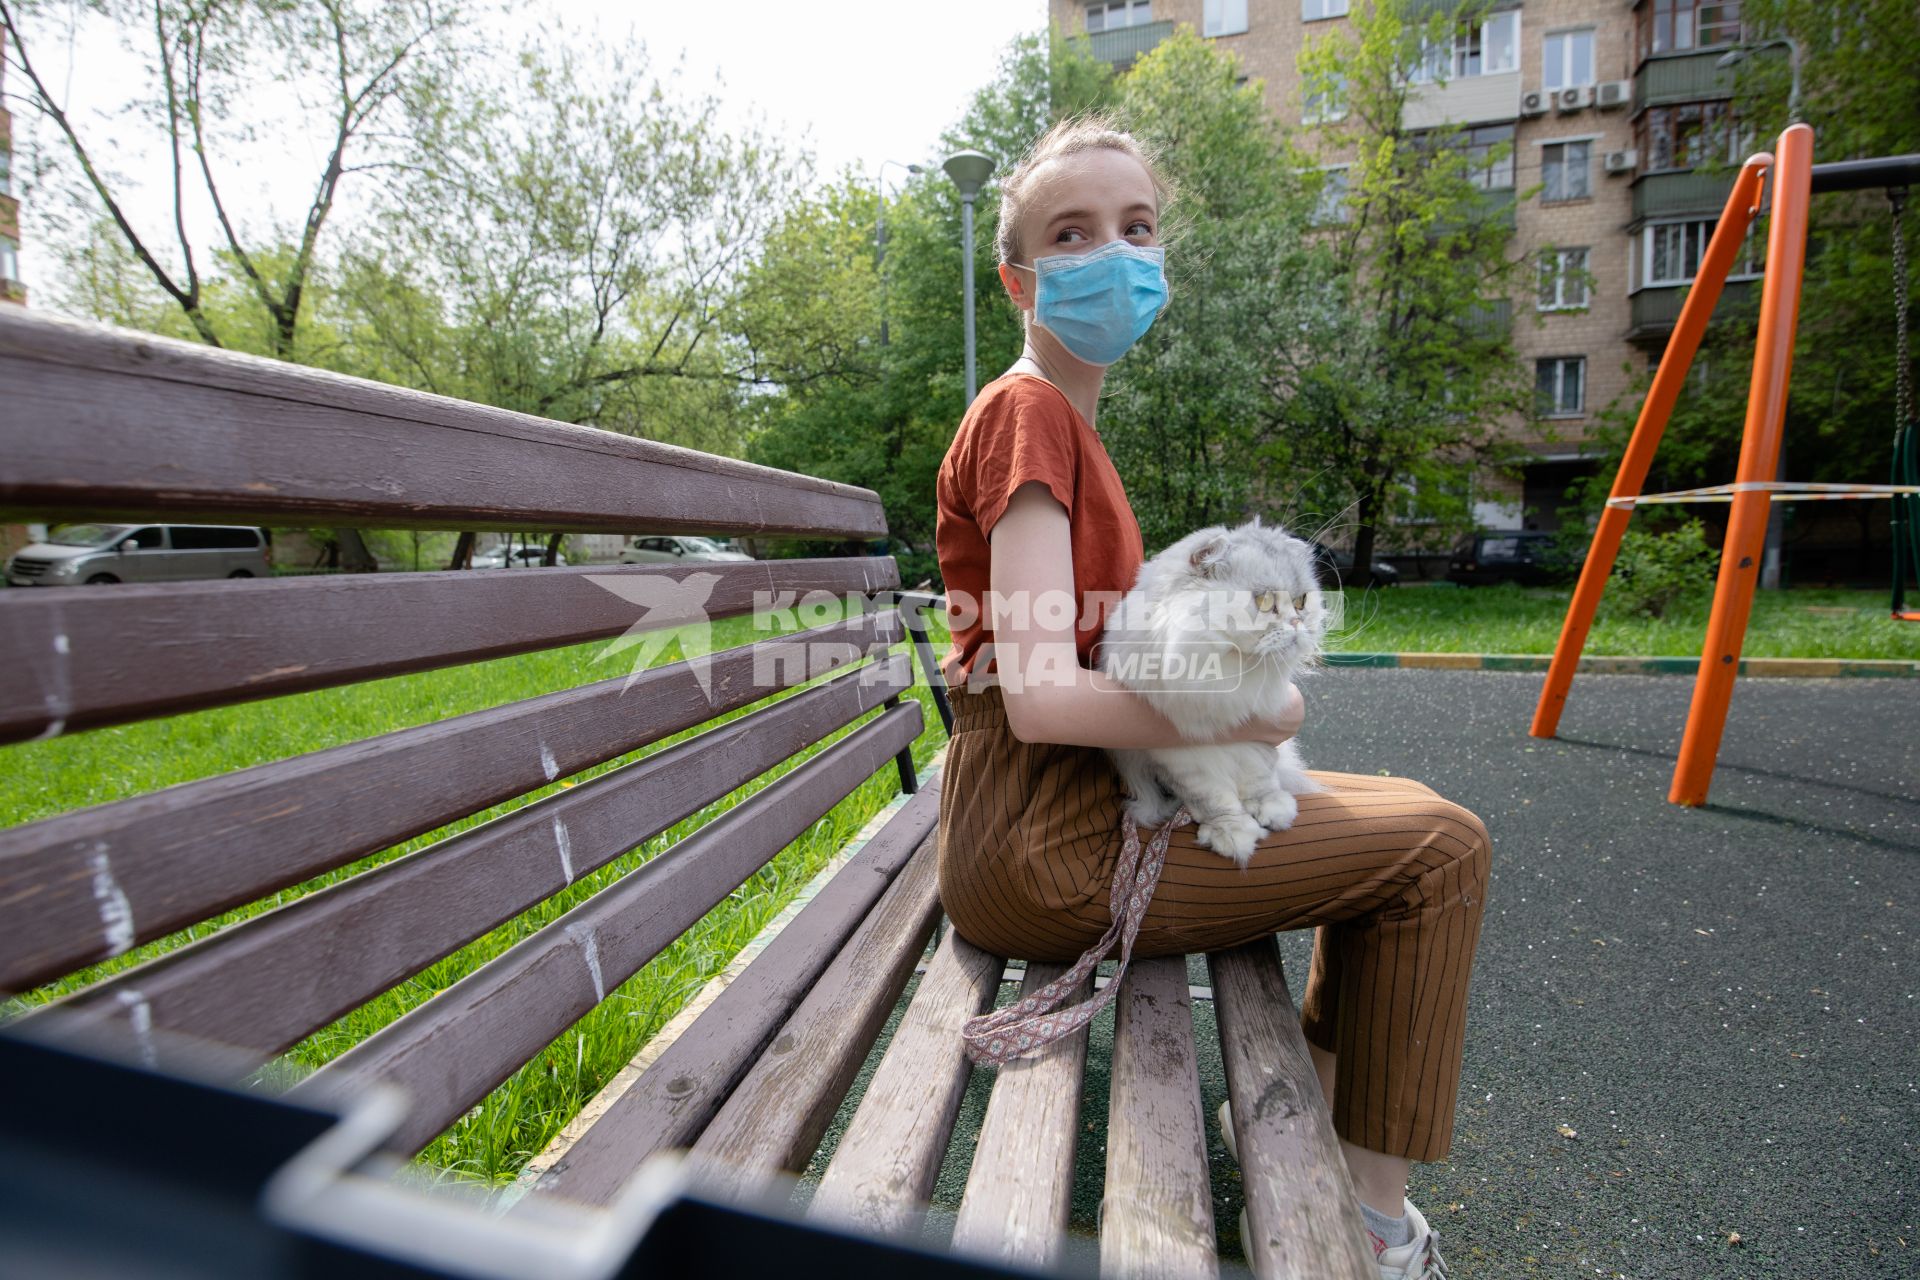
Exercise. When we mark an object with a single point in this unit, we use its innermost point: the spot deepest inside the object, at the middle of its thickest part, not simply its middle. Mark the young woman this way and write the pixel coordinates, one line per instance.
(1033, 514)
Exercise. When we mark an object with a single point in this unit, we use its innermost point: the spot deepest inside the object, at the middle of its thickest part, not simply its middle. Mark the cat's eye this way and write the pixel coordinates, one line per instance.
(1266, 600)
(1300, 601)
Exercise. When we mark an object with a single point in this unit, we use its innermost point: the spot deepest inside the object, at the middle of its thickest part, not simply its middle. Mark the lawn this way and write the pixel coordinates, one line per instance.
(497, 1137)
(1441, 618)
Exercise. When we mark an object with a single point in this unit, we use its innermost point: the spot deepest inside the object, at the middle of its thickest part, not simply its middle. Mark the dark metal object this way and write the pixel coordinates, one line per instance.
(174, 1176)
(1879, 173)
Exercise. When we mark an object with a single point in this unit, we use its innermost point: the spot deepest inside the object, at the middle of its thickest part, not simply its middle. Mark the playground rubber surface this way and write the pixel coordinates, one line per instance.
(1721, 1004)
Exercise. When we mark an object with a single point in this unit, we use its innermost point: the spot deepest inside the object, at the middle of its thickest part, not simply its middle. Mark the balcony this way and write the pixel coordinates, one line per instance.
(1120, 47)
(1681, 77)
(1656, 310)
(1490, 318)
(1678, 192)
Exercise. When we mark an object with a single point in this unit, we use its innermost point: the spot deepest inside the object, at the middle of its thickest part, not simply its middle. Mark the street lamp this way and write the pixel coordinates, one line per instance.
(969, 171)
(1732, 56)
(880, 236)
(1770, 558)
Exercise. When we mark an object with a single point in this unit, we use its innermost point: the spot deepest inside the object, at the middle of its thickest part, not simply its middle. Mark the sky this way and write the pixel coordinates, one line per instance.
(858, 82)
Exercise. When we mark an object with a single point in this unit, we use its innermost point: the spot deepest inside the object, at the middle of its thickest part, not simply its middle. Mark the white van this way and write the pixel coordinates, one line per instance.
(90, 554)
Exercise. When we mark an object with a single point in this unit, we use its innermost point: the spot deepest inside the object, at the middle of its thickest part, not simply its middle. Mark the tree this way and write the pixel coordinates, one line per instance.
(1397, 365)
(569, 244)
(1189, 407)
(200, 57)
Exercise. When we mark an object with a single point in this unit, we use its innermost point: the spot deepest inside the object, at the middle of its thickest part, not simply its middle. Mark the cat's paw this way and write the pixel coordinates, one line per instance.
(1275, 811)
(1234, 836)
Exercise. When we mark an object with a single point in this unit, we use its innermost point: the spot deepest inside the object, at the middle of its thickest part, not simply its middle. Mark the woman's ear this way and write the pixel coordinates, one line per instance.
(1016, 286)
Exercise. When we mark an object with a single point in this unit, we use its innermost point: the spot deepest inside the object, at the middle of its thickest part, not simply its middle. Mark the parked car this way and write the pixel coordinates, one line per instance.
(1336, 569)
(1525, 556)
(676, 548)
(523, 557)
(90, 554)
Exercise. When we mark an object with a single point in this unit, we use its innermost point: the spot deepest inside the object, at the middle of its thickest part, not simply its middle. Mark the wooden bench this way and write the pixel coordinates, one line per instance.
(106, 424)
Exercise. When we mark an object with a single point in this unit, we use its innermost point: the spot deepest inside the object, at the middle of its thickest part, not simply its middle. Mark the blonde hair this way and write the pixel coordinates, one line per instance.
(1086, 131)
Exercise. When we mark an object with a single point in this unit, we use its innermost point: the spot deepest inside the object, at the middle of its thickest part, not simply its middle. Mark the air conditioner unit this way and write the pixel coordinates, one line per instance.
(1573, 99)
(1534, 102)
(1613, 93)
(1622, 161)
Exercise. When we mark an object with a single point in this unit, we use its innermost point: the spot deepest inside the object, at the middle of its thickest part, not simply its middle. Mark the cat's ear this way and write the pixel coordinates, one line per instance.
(1207, 558)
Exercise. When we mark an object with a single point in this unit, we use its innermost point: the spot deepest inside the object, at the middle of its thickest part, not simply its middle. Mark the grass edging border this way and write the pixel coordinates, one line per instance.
(663, 1038)
(1628, 666)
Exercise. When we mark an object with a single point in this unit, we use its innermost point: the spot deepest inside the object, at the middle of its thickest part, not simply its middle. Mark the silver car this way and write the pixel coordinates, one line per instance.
(90, 554)
(676, 548)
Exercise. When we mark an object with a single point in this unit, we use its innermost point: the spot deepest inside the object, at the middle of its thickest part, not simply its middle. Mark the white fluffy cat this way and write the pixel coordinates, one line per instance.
(1213, 630)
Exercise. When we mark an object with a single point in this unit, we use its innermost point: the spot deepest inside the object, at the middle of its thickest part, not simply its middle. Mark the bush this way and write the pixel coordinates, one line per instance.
(1655, 571)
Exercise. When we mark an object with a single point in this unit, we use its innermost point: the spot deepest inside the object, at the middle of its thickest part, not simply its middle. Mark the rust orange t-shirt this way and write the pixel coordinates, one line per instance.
(1019, 428)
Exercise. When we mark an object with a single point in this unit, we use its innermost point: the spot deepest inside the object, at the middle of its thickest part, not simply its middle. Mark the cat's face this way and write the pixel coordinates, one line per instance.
(1254, 585)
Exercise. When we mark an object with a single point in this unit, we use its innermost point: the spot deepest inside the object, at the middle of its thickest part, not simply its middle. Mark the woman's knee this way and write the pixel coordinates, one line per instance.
(1464, 832)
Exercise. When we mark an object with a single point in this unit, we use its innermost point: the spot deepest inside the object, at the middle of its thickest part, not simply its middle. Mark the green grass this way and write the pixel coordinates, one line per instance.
(1441, 618)
(496, 1138)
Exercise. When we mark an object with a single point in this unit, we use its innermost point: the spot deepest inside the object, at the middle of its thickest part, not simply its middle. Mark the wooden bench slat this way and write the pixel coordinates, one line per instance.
(267, 982)
(774, 1119)
(1156, 1216)
(676, 1097)
(885, 1166)
(87, 885)
(179, 429)
(1019, 1192)
(1302, 1211)
(66, 654)
(448, 1053)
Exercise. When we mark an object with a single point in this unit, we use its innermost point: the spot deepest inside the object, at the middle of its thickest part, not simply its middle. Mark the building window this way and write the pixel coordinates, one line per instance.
(1118, 13)
(1566, 169)
(1490, 156)
(1488, 49)
(1567, 60)
(6, 172)
(1333, 206)
(9, 259)
(1224, 18)
(1671, 252)
(1673, 26)
(1314, 10)
(1560, 386)
(1679, 137)
(1563, 279)
(1325, 105)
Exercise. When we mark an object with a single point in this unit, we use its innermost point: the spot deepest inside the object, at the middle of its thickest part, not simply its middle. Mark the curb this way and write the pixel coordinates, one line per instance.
(1629, 666)
(663, 1038)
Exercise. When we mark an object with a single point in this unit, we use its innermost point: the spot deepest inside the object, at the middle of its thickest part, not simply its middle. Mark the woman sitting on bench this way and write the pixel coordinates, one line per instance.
(1391, 876)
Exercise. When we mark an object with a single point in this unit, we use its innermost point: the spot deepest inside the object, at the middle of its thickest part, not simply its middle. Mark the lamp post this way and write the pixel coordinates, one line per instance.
(969, 171)
(1732, 56)
(1776, 525)
(880, 236)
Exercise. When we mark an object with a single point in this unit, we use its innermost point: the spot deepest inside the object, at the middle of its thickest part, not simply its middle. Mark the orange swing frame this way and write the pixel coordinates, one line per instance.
(1751, 494)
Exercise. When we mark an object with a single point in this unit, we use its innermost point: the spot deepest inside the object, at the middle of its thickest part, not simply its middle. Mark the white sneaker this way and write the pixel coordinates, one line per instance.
(1417, 1259)
(1225, 1116)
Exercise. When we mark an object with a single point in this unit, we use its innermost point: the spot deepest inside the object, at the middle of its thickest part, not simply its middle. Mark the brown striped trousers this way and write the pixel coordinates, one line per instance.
(1392, 877)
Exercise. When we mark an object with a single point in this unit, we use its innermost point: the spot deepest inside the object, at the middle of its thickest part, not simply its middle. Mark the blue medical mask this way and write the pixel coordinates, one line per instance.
(1099, 303)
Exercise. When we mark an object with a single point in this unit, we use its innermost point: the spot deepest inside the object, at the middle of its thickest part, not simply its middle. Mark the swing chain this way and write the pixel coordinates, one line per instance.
(1903, 371)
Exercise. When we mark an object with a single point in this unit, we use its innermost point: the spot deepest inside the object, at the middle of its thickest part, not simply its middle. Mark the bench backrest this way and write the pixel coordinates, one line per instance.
(112, 425)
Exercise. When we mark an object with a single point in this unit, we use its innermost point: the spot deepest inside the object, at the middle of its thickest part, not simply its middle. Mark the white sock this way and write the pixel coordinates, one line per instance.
(1395, 1231)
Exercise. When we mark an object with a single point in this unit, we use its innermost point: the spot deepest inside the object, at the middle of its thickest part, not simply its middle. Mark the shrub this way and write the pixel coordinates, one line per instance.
(1655, 571)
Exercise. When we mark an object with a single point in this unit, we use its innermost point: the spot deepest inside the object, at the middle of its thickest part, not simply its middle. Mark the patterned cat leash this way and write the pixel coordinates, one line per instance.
(1023, 1029)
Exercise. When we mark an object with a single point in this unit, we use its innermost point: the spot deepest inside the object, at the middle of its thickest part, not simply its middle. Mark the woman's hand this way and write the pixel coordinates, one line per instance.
(1280, 727)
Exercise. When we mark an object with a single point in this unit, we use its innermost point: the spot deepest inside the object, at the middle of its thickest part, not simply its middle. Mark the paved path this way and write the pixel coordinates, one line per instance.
(1720, 1002)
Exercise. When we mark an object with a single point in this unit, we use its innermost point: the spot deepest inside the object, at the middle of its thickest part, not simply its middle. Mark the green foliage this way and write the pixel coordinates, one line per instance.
(1392, 373)
(1653, 572)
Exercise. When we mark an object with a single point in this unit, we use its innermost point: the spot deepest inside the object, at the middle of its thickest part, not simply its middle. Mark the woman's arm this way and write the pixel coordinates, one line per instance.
(1048, 695)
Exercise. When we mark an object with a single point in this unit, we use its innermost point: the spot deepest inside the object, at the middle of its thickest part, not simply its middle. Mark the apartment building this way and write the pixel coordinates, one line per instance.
(1609, 105)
